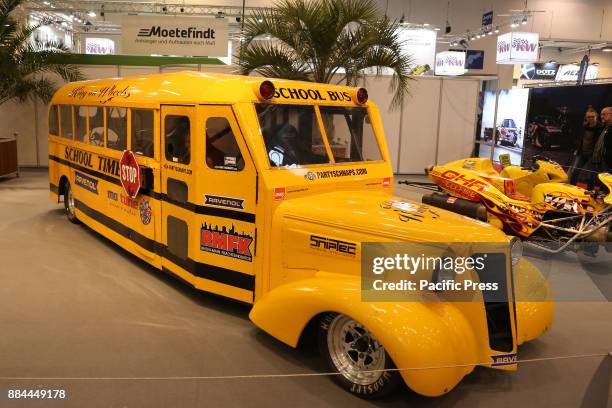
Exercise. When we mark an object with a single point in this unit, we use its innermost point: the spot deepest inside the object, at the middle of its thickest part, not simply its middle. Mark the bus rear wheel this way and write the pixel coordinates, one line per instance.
(69, 204)
(354, 353)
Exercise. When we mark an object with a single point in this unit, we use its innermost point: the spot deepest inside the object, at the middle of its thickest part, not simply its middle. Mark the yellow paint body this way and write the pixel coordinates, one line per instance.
(288, 280)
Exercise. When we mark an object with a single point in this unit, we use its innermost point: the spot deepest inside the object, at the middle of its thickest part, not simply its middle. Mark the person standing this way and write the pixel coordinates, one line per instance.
(602, 154)
(585, 148)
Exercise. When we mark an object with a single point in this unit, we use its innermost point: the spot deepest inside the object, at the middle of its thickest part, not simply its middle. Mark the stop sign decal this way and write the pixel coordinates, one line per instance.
(129, 173)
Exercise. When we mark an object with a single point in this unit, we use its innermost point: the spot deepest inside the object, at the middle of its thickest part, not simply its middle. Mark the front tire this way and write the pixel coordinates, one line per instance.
(69, 204)
(351, 350)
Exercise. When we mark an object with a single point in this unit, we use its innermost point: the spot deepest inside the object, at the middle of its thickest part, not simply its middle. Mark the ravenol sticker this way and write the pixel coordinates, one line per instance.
(504, 359)
(221, 201)
(88, 183)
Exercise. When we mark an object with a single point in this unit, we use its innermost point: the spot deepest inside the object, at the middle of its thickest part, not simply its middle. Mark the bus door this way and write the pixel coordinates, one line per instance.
(227, 192)
(178, 131)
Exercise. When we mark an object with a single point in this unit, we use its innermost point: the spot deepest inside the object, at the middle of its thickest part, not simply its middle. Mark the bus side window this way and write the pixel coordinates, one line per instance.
(53, 122)
(80, 123)
(142, 132)
(178, 139)
(222, 151)
(66, 121)
(96, 125)
(116, 128)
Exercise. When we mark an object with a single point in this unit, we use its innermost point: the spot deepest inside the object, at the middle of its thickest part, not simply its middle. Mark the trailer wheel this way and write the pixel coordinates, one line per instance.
(69, 206)
(353, 352)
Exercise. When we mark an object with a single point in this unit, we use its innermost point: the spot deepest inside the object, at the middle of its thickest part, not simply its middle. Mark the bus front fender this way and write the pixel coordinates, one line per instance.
(417, 336)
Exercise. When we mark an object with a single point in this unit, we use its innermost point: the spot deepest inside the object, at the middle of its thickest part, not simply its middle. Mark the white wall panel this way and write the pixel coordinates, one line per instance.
(17, 117)
(457, 119)
(378, 91)
(419, 126)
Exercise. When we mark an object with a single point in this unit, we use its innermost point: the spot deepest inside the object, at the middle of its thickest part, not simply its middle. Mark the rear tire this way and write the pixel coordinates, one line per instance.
(69, 204)
(351, 350)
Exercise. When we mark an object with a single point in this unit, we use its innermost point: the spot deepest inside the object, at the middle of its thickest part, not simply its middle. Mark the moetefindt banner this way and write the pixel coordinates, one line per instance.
(184, 36)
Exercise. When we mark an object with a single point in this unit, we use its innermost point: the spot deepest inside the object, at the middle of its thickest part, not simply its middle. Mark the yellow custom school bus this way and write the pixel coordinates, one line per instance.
(264, 190)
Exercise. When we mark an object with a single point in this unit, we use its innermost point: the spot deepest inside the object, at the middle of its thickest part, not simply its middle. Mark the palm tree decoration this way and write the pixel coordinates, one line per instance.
(312, 40)
(25, 63)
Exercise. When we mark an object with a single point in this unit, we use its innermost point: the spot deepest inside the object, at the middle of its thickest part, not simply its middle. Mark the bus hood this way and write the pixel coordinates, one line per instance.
(379, 216)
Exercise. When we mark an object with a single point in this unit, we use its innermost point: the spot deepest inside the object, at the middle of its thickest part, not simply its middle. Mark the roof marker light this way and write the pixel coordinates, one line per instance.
(266, 90)
(362, 95)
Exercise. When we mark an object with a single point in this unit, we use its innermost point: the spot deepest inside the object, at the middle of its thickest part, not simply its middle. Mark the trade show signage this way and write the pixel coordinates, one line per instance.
(517, 48)
(487, 18)
(420, 44)
(450, 63)
(185, 36)
(570, 72)
(99, 46)
(539, 71)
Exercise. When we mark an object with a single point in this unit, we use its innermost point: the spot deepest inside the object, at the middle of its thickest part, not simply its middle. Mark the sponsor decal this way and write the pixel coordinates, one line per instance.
(409, 211)
(451, 200)
(279, 193)
(145, 212)
(504, 359)
(102, 95)
(229, 161)
(312, 94)
(221, 201)
(177, 169)
(88, 183)
(129, 201)
(562, 203)
(334, 246)
(313, 175)
(386, 182)
(191, 32)
(226, 242)
(112, 195)
(310, 176)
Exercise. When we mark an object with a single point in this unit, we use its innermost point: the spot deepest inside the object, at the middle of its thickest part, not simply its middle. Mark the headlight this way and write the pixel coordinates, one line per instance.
(516, 250)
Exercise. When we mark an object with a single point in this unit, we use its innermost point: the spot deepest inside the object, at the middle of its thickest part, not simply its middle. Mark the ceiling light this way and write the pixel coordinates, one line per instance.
(607, 48)
(64, 24)
(91, 14)
(496, 29)
(425, 24)
(490, 33)
(437, 28)
(524, 21)
(552, 62)
(514, 24)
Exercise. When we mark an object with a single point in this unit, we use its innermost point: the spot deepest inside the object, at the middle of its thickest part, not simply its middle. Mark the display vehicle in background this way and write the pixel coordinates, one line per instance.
(507, 133)
(533, 203)
(263, 191)
(547, 133)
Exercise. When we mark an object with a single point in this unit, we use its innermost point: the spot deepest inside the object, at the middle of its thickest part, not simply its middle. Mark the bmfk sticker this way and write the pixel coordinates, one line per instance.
(226, 242)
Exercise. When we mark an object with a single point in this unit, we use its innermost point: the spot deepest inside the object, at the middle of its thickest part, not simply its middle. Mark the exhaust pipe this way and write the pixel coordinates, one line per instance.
(456, 205)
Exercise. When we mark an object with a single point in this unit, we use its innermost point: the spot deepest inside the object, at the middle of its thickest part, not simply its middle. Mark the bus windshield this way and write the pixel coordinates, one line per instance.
(293, 138)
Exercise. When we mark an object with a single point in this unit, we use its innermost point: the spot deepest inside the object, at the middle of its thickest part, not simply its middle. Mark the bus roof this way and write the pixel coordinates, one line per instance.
(187, 87)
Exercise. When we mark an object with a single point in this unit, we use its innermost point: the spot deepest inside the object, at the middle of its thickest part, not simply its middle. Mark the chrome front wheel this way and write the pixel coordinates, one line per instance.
(352, 351)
